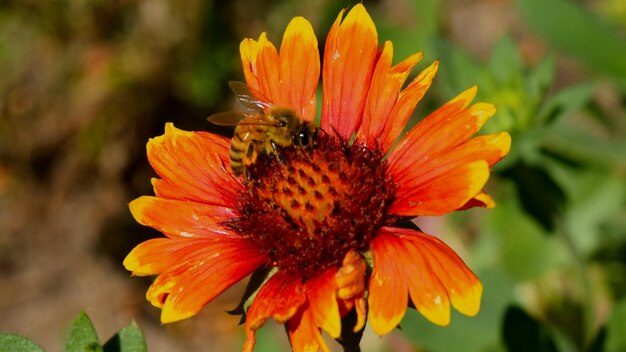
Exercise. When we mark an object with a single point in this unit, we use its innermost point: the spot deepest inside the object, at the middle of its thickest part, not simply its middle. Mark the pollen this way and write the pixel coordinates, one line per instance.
(309, 209)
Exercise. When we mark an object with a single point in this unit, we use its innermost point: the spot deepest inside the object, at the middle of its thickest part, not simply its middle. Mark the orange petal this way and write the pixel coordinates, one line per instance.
(428, 294)
(388, 291)
(288, 79)
(387, 110)
(321, 291)
(491, 148)
(249, 50)
(444, 129)
(349, 58)
(383, 93)
(192, 166)
(299, 68)
(435, 174)
(158, 255)
(261, 65)
(440, 189)
(200, 270)
(406, 104)
(279, 298)
(180, 218)
(304, 335)
(436, 275)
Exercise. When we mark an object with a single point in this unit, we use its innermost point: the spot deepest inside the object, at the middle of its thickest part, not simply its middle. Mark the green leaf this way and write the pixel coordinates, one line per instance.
(83, 337)
(540, 79)
(16, 343)
(565, 102)
(521, 247)
(506, 63)
(572, 140)
(523, 333)
(129, 339)
(594, 198)
(616, 339)
(574, 30)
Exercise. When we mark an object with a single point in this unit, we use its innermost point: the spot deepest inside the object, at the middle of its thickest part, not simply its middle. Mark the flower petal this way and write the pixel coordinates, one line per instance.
(388, 290)
(387, 110)
(321, 291)
(279, 298)
(404, 107)
(181, 218)
(304, 335)
(158, 255)
(441, 190)
(261, 65)
(436, 165)
(491, 148)
(435, 274)
(444, 129)
(427, 293)
(383, 93)
(200, 269)
(349, 57)
(192, 166)
(451, 179)
(299, 68)
(288, 79)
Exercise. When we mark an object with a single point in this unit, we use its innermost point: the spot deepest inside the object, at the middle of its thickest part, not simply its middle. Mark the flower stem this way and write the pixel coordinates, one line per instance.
(349, 339)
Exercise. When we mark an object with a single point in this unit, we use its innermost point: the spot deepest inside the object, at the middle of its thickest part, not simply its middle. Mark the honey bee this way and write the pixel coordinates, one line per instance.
(264, 128)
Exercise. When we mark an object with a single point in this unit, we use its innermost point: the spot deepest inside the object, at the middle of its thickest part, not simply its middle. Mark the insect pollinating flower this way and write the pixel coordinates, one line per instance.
(315, 213)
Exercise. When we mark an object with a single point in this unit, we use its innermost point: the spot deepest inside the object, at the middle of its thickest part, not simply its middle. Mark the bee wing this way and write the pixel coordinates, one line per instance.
(234, 118)
(250, 98)
(229, 118)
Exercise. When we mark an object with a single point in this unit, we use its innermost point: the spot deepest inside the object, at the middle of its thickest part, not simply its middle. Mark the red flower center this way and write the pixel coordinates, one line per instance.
(307, 212)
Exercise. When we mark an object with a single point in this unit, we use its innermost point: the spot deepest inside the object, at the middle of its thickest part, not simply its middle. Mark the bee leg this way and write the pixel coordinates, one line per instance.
(250, 151)
(276, 150)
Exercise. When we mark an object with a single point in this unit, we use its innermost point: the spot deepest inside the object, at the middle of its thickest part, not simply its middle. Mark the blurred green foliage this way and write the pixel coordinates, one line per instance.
(95, 79)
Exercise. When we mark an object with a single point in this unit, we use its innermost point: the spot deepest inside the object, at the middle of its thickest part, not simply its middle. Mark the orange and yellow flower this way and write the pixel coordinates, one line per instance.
(323, 222)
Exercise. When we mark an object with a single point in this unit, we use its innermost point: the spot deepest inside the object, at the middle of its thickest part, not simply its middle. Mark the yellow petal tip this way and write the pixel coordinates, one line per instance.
(137, 208)
(468, 303)
(131, 263)
(504, 141)
(383, 326)
(299, 25)
(358, 15)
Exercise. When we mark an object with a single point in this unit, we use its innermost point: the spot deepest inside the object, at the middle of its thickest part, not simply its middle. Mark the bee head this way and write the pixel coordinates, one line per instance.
(304, 135)
(284, 117)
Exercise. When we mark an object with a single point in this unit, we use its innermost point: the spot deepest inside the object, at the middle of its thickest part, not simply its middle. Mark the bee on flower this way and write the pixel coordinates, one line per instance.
(266, 128)
(321, 216)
